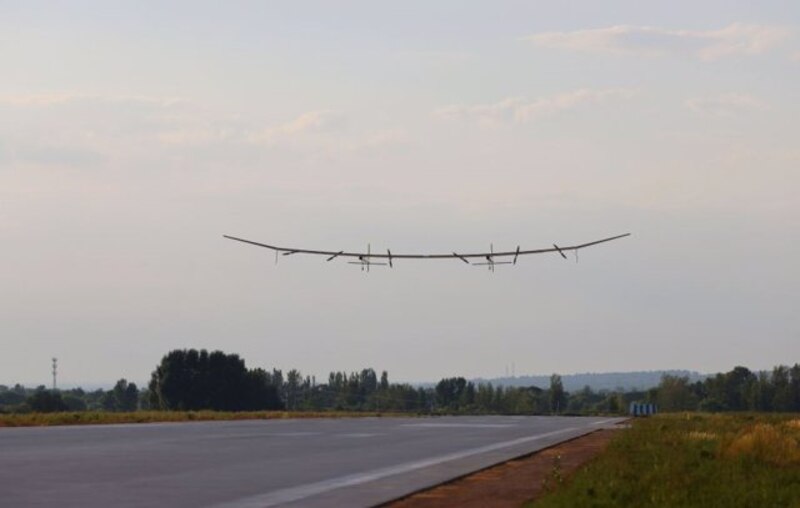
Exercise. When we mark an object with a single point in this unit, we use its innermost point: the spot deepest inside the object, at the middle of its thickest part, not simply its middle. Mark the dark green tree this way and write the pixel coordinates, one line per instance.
(449, 392)
(794, 387)
(11, 398)
(675, 394)
(74, 403)
(46, 401)
(558, 397)
(123, 397)
(293, 388)
(192, 380)
(781, 382)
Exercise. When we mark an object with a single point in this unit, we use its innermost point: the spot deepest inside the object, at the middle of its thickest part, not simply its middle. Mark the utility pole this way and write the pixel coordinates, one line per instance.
(55, 369)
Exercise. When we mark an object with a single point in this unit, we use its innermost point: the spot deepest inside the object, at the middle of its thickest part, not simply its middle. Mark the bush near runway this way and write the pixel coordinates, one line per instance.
(104, 417)
(704, 460)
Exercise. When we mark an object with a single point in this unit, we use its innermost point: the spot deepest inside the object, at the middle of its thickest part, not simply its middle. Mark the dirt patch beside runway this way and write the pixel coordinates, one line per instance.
(514, 482)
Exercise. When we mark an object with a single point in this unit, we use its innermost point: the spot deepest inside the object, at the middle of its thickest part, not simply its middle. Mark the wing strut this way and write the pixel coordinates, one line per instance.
(335, 256)
(462, 258)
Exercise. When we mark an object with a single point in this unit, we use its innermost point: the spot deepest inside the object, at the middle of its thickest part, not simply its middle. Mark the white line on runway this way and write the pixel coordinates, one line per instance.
(462, 425)
(291, 494)
(292, 434)
(603, 422)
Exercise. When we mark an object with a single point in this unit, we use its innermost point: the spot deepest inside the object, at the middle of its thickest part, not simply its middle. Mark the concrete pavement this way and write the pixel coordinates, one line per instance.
(260, 463)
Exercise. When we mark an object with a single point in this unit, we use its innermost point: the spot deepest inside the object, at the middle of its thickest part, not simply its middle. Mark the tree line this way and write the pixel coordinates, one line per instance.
(738, 390)
(123, 396)
(193, 379)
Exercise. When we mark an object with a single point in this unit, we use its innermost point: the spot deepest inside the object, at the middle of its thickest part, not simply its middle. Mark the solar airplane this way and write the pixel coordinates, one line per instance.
(367, 259)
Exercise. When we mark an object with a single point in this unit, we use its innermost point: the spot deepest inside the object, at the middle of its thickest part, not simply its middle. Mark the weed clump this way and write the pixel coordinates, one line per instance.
(766, 443)
(555, 477)
(699, 435)
(677, 460)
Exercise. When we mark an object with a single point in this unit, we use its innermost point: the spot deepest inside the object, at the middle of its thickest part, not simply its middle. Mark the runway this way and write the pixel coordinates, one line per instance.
(262, 463)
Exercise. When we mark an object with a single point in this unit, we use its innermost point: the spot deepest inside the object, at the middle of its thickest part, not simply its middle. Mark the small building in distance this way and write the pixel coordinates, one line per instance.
(641, 409)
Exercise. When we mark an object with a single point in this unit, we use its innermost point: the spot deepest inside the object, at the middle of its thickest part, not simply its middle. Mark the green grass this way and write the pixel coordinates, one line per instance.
(741, 460)
(102, 417)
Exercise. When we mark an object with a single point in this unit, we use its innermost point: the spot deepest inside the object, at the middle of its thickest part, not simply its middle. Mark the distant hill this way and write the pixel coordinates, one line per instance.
(641, 380)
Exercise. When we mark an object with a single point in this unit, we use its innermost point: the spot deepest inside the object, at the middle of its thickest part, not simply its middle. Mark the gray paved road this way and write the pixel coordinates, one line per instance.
(314, 462)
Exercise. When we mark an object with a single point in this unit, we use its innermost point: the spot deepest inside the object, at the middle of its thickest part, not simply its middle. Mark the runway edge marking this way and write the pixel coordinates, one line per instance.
(291, 494)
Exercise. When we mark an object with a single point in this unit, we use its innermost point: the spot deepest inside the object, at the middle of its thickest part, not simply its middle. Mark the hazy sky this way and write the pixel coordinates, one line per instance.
(133, 135)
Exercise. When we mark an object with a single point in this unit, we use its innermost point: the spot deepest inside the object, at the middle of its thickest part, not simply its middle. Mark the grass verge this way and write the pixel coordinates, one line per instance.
(101, 417)
(741, 460)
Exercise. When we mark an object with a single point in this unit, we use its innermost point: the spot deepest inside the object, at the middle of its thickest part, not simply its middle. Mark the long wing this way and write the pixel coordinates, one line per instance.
(464, 257)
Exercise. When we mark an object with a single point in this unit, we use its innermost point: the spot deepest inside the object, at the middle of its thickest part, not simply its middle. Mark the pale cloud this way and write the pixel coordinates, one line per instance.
(37, 100)
(77, 129)
(727, 104)
(174, 120)
(194, 135)
(377, 140)
(306, 123)
(734, 39)
(323, 130)
(522, 110)
(436, 57)
(311, 121)
(57, 99)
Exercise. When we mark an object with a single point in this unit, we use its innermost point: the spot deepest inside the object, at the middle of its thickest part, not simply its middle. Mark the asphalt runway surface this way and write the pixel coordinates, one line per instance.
(262, 463)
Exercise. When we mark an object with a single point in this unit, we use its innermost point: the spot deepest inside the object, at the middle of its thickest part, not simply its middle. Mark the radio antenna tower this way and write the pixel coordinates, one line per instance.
(55, 369)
